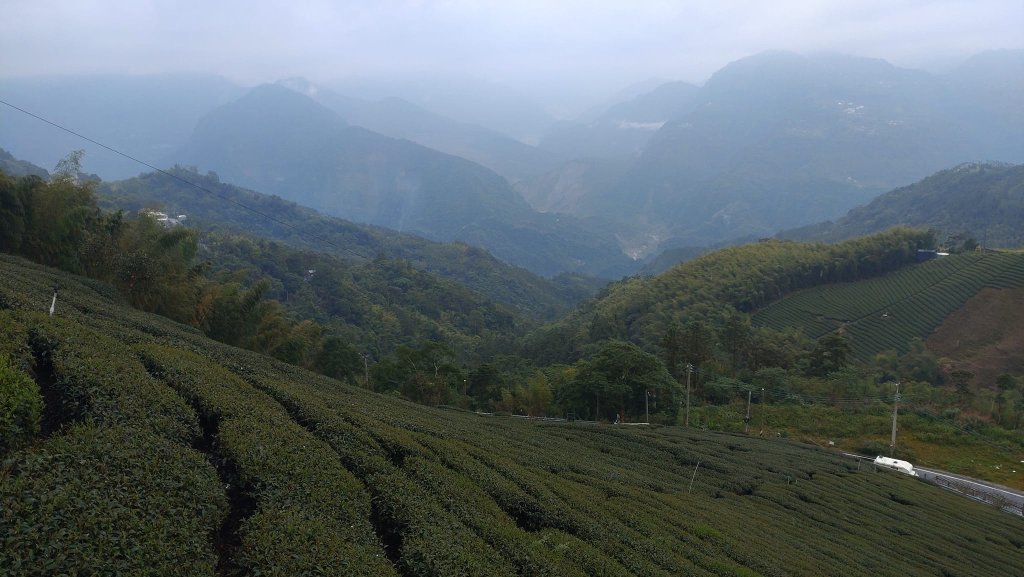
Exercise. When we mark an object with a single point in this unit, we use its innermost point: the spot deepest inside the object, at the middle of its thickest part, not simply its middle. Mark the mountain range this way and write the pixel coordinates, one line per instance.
(279, 141)
(779, 139)
(400, 118)
(771, 142)
(147, 117)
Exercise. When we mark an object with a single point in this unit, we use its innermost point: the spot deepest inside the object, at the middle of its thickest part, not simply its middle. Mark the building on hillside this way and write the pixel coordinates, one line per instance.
(163, 218)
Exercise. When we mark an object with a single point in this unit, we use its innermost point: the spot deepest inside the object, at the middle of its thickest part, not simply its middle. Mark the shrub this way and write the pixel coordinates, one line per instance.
(21, 407)
(102, 500)
(98, 379)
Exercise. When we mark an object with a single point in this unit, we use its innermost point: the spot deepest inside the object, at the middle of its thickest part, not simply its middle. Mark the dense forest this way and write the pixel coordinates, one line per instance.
(645, 349)
(216, 206)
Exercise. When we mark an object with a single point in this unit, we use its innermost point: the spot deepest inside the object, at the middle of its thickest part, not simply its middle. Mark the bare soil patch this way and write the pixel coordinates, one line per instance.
(985, 336)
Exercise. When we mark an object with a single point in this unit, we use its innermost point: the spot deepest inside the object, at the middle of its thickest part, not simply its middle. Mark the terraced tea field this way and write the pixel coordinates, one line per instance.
(164, 453)
(887, 312)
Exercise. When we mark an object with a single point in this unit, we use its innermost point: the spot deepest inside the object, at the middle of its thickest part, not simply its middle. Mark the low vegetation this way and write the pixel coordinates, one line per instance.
(887, 313)
(246, 465)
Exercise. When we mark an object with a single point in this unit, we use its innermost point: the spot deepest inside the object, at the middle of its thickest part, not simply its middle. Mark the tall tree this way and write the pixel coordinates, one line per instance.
(830, 354)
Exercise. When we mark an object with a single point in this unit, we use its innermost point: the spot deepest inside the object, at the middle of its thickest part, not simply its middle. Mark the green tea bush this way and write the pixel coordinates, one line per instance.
(312, 516)
(886, 313)
(325, 466)
(98, 379)
(21, 407)
(109, 500)
(14, 340)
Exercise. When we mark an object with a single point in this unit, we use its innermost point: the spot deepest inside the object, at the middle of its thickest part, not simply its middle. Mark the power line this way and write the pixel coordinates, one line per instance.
(308, 236)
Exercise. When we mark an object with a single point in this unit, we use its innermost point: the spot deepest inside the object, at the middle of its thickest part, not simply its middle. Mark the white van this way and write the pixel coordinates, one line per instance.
(896, 465)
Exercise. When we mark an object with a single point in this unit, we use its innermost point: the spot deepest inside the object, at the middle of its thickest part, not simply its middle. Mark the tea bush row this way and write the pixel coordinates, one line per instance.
(21, 401)
(104, 499)
(886, 313)
(455, 493)
(98, 379)
(118, 475)
(311, 515)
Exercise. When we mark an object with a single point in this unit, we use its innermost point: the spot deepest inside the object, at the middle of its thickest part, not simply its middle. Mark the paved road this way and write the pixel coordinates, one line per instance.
(1007, 499)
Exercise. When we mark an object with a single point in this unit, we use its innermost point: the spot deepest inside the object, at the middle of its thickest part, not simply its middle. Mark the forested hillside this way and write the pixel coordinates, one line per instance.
(210, 460)
(983, 203)
(390, 327)
(222, 207)
(739, 279)
(303, 307)
(892, 312)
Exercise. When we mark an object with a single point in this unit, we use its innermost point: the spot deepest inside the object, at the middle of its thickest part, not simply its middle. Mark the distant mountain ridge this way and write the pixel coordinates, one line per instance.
(491, 105)
(771, 142)
(625, 128)
(983, 201)
(777, 140)
(399, 118)
(276, 140)
(145, 116)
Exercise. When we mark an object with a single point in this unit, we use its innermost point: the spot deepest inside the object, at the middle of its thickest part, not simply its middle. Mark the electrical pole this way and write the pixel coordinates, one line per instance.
(647, 411)
(895, 408)
(763, 411)
(689, 371)
(366, 370)
(746, 419)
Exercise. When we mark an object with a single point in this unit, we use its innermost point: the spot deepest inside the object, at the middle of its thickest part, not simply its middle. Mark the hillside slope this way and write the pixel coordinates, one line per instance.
(261, 468)
(281, 142)
(222, 210)
(980, 201)
(985, 335)
(744, 278)
(778, 140)
(400, 118)
(888, 312)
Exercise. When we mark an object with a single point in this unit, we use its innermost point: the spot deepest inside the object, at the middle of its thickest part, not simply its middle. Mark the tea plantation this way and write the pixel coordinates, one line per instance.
(888, 312)
(139, 447)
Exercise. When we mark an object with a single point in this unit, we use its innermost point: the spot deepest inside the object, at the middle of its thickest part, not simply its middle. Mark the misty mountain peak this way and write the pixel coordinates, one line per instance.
(273, 109)
(300, 85)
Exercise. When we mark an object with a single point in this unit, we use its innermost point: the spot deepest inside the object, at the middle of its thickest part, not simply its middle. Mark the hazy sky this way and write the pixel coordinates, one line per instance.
(524, 43)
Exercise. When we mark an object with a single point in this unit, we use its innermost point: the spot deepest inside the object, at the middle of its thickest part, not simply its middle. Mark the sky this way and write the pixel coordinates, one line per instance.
(537, 46)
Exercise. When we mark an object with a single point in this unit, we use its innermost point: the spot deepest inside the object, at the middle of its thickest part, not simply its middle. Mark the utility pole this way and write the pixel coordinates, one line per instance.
(895, 405)
(746, 419)
(366, 370)
(689, 371)
(647, 411)
(763, 411)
